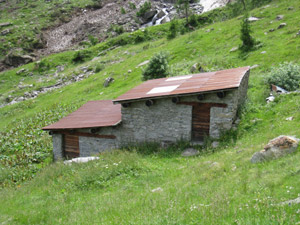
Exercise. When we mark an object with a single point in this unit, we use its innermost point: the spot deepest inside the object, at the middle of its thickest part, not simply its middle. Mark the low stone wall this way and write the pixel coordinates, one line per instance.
(91, 145)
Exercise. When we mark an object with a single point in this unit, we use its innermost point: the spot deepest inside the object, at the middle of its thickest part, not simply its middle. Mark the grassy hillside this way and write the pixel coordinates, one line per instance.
(220, 186)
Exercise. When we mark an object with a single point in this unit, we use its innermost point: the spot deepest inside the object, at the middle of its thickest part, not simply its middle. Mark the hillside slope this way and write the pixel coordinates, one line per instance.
(149, 185)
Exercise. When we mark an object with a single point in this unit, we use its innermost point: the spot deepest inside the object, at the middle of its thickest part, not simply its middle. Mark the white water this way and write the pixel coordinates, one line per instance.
(212, 4)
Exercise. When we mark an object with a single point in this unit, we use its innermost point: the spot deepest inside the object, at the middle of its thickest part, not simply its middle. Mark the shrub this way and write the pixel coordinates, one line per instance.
(287, 76)
(132, 6)
(193, 21)
(81, 56)
(157, 67)
(246, 38)
(93, 40)
(99, 68)
(172, 29)
(143, 9)
(123, 11)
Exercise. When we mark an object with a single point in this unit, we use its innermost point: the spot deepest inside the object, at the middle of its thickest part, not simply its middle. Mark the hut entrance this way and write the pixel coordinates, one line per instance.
(71, 146)
(200, 121)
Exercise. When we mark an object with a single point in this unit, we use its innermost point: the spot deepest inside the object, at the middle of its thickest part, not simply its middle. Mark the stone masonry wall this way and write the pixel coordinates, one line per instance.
(57, 146)
(91, 145)
(164, 121)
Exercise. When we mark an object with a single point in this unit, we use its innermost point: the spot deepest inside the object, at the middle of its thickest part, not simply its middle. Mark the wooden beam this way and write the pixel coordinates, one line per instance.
(211, 104)
(85, 134)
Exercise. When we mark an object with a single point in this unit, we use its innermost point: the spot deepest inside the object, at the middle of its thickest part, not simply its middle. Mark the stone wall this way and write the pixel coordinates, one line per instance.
(162, 122)
(91, 145)
(57, 146)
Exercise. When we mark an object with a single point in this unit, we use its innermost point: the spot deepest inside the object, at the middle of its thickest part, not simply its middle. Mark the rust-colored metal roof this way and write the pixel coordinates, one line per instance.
(92, 114)
(189, 84)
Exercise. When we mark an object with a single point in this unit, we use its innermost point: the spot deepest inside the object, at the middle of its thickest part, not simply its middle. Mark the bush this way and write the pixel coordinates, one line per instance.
(144, 8)
(246, 38)
(193, 21)
(287, 76)
(157, 67)
(93, 40)
(123, 11)
(99, 68)
(81, 56)
(132, 6)
(172, 29)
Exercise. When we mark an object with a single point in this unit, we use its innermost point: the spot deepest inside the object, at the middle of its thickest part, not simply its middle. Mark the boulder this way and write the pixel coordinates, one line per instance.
(17, 60)
(276, 148)
(190, 152)
(5, 24)
(279, 17)
(234, 49)
(108, 81)
(5, 32)
(253, 19)
(147, 17)
(282, 25)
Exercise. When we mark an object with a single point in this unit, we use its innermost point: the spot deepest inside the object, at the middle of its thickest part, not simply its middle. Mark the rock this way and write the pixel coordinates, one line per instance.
(160, 15)
(60, 69)
(290, 8)
(215, 144)
(281, 25)
(165, 20)
(5, 24)
(272, 30)
(190, 152)
(17, 60)
(196, 68)
(149, 15)
(263, 52)
(234, 49)
(108, 81)
(271, 98)
(80, 160)
(279, 17)
(5, 32)
(129, 71)
(143, 63)
(159, 189)
(215, 164)
(21, 71)
(276, 148)
(253, 19)
(290, 202)
(289, 118)
(298, 33)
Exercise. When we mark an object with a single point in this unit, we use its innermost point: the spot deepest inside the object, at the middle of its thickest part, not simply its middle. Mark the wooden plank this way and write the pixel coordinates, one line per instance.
(71, 146)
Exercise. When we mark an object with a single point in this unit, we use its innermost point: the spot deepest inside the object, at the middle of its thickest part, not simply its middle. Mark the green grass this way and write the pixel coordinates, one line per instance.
(220, 186)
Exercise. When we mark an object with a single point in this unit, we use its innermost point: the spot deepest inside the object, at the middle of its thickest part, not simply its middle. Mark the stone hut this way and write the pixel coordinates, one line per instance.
(189, 108)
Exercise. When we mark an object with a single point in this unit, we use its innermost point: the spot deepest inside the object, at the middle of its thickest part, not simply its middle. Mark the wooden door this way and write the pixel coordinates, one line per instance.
(200, 121)
(71, 146)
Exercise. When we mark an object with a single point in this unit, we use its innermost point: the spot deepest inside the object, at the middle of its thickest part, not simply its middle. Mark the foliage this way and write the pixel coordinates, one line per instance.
(246, 38)
(123, 11)
(143, 9)
(81, 56)
(172, 29)
(286, 75)
(157, 67)
(193, 20)
(132, 6)
(25, 148)
(93, 40)
(98, 68)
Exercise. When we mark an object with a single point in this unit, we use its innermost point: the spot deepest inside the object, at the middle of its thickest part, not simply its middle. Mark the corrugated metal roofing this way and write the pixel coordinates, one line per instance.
(194, 83)
(92, 114)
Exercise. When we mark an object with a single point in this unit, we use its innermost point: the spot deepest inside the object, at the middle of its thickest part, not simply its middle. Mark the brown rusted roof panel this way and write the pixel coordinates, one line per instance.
(181, 85)
(92, 114)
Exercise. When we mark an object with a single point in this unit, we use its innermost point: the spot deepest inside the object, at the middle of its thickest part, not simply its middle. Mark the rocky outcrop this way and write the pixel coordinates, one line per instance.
(276, 148)
(15, 59)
